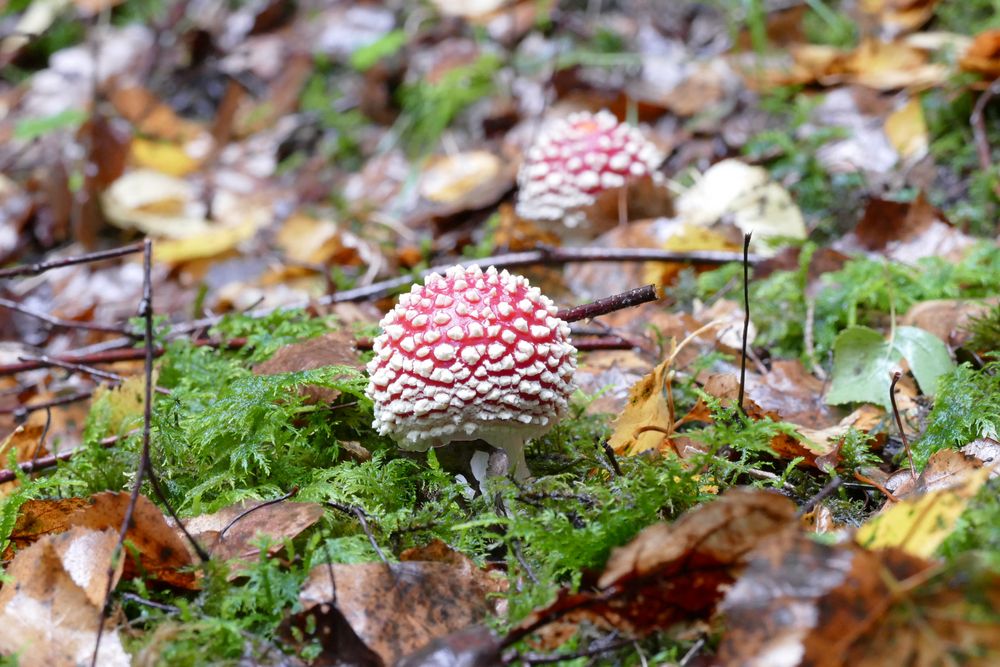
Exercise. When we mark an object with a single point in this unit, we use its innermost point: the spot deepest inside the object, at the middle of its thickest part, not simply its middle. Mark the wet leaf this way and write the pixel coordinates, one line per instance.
(864, 362)
(276, 521)
(650, 406)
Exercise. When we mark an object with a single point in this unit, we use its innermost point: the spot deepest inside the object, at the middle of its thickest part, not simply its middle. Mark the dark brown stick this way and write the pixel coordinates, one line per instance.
(746, 318)
(829, 488)
(76, 368)
(610, 304)
(21, 412)
(51, 460)
(146, 311)
(544, 256)
(978, 122)
(113, 356)
(63, 324)
(41, 267)
(360, 515)
(899, 422)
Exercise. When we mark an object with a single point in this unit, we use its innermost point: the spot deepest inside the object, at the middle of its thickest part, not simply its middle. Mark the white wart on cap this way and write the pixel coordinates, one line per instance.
(471, 355)
(578, 158)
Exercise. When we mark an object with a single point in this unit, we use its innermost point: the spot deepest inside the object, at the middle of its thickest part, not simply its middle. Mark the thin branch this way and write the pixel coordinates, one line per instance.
(978, 122)
(51, 460)
(360, 514)
(899, 422)
(22, 411)
(114, 378)
(41, 267)
(545, 256)
(746, 318)
(829, 488)
(61, 323)
(145, 311)
(609, 453)
(610, 304)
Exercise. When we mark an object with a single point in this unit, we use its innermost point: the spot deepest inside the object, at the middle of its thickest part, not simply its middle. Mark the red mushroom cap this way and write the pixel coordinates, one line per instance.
(576, 159)
(471, 355)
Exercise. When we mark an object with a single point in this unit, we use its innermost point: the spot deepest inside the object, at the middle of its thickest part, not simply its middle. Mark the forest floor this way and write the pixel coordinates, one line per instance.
(785, 452)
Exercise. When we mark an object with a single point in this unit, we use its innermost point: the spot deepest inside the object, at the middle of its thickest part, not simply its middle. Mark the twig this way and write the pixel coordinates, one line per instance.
(746, 318)
(61, 323)
(978, 122)
(266, 503)
(154, 481)
(808, 335)
(535, 659)
(41, 267)
(610, 304)
(89, 370)
(114, 356)
(52, 459)
(543, 256)
(609, 453)
(899, 422)
(22, 411)
(145, 311)
(360, 514)
(169, 608)
(45, 433)
(871, 482)
(692, 652)
(827, 489)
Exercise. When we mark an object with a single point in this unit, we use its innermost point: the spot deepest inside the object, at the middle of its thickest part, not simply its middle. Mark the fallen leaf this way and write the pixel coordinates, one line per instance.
(336, 348)
(673, 572)
(151, 117)
(863, 363)
(414, 601)
(743, 195)
(948, 319)
(37, 518)
(165, 157)
(801, 602)
(983, 55)
(907, 130)
(49, 613)
(919, 525)
(276, 521)
(25, 441)
(650, 405)
(897, 17)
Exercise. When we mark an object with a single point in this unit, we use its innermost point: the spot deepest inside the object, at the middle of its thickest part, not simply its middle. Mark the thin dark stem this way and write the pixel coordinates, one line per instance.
(41, 267)
(169, 608)
(978, 122)
(610, 304)
(22, 411)
(360, 514)
(51, 460)
(609, 453)
(114, 356)
(76, 368)
(746, 318)
(45, 433)
(145, 311)
(61, 323)
(899, 422)
(154, 481)
(545, 256)
(827, 489)
(535, 659)
(249, 510)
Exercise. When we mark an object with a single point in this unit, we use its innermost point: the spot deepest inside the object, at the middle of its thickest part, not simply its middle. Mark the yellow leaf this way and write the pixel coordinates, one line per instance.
(920, 525)
(649, 405)
(210, 243)
(907, 131)
(165, 157)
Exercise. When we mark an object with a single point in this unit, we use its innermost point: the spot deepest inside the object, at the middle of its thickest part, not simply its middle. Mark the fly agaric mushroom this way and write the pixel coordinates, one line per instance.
(471, 355)
(577, 159)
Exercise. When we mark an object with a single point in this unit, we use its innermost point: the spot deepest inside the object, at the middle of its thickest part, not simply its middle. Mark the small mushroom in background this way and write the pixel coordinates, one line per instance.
(579, 159)
(471, 356)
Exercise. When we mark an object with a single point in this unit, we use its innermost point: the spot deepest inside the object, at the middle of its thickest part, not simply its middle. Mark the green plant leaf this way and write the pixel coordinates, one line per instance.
(863, 362)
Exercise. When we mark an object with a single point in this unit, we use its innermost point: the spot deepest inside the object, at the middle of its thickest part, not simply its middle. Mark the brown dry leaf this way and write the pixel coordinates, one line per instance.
(151, 117)
(904, 231)
(945, 469)
(897, 17)
(163, 156)
(308, 240)
(610, 374)
(413, 601)
(684, 237)
(162, 553)
(336, 348)
(650, 406)
(889, 66)
(672, 572)
(277, 521)
(983, 55)
(49, 612)
(906, 130)
(947, 319)
(801, 602)
(37, 518)
(26, 440)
